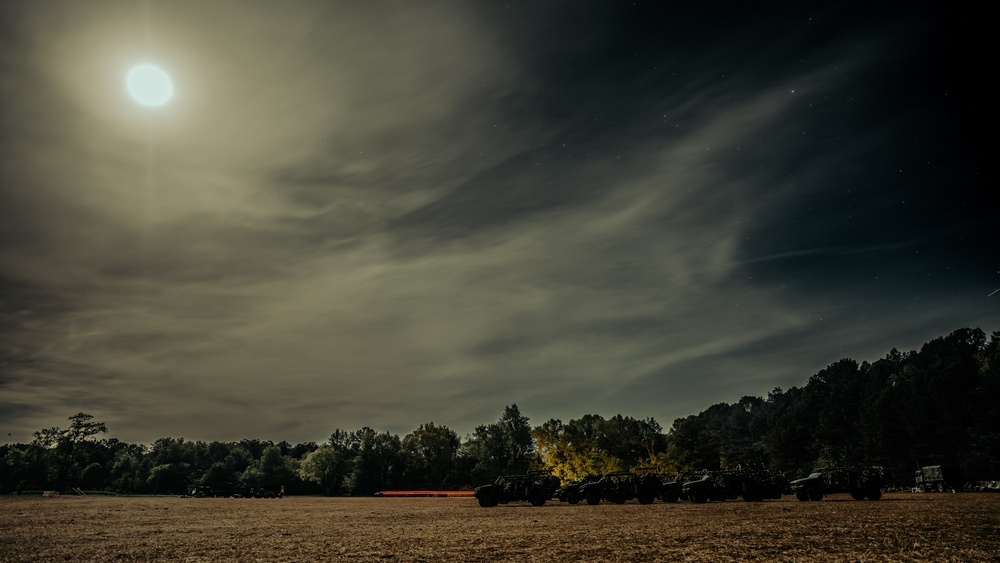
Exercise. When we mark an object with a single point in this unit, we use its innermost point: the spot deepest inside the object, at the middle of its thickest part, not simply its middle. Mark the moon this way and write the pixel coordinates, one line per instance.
(149, 85)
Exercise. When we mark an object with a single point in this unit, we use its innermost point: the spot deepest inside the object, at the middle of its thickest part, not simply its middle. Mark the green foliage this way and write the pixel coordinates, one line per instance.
(271, 469)
(169, 478)
(328, 467)
(360, 462)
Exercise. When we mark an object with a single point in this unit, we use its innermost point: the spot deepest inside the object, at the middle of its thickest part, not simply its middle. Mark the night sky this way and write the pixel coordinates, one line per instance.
(389, 213)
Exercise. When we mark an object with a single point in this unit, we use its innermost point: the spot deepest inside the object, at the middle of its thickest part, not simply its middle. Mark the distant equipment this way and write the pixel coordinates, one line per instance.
(939, 478)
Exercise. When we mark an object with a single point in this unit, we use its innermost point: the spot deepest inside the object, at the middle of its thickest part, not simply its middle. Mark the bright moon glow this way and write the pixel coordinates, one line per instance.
(149, 85)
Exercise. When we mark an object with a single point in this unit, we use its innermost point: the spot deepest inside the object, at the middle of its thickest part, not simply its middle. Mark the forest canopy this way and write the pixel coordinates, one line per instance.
(931, 406)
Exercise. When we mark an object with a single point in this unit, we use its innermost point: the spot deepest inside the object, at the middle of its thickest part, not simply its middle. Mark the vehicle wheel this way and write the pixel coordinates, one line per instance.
(646, 496)
(940, 487)
(801, 495)
(487, 501)
(815, 493)
(593, 498)
(573, 498)
(536, 497)
(857, 494)
(671, 497)
(700, 496)
(874, 494)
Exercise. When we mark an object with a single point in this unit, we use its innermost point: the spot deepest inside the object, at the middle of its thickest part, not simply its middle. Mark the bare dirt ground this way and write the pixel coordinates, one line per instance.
(900, 527)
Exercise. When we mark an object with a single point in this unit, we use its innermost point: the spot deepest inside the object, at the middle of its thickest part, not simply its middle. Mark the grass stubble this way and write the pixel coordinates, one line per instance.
(900, 527)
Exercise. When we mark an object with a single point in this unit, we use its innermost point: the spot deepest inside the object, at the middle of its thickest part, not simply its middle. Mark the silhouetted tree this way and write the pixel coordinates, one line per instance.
(65, 443)
(328, 467)
(272, 470)
(376, 464)
(502, 448)
(429, 456)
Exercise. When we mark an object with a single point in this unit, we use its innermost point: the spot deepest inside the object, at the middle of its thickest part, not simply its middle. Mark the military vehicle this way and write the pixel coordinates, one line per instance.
(939, 478)
(648, 484)
(272, 490)
(860, 482)
(714, 485)
(201, 491)
(672, 489)
(621, 486)
(616, 487)
(535, 487)
(754, 484)
(764, 483)
(571, 493)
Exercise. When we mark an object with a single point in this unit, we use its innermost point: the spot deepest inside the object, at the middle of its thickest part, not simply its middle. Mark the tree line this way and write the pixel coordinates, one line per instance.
(938, 405)
(357, 462)
(932, 406)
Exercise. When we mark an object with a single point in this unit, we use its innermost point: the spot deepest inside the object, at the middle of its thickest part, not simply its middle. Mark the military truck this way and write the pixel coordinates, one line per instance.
(715, 485)
(616, 487)
(201, 491)
(764, 483)
(939, 478)
(753, 484)
(643, 484)
(535, 487)
(712, 485)
(648, 484)
(860, 482)
(571, 493)
(672, 488)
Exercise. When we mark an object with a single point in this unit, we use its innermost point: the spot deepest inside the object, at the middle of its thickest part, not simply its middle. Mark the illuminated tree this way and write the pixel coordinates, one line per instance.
(593, 444)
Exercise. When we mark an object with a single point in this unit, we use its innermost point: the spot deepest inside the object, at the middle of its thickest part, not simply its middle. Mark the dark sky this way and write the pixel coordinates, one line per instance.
(390, 213)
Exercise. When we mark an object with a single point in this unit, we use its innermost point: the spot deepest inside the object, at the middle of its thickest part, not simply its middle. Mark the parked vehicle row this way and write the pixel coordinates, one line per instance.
(752, 484)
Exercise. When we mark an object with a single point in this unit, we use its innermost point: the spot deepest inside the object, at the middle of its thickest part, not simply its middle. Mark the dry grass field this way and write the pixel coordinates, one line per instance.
(901, 527)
